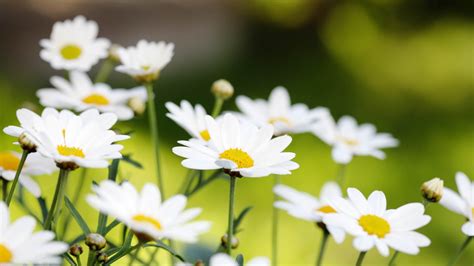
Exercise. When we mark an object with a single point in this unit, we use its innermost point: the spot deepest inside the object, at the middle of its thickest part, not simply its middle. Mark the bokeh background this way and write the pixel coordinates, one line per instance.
(406, 66)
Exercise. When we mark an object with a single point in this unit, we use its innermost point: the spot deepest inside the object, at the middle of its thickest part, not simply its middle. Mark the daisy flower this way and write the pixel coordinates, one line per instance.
(190, 119)
(304, 206)
(73, 45)
(240, 148)
(71, 140)
(35, 165)
(145, 214)
(145, 60)
(80, 94)
(279, 112)
(349, 139)
(369, 221)
(462, 203)
(19, 245)
(222, 259)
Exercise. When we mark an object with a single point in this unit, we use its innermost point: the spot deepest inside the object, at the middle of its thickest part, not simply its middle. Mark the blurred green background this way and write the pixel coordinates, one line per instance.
(405, 66)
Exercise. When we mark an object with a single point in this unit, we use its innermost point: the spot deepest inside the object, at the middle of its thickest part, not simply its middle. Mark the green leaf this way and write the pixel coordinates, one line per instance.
(162, 245)
(113, 169)
(111, 226)
(128, 158)
(43, 207)
(75, 214)
(69, 259)
(240, 217)
(240, 259)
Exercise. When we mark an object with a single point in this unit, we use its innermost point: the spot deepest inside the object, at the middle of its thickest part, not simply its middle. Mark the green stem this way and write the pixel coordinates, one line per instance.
(17, 177)
(154, 135)
(57, 199)
(361, 257)
(394, 257)
(275, 220)
(75, 199)
(123, 250)
(135, 255)
(217, 107)
(79, 262)
(340, 177)
(230, 229)
(104, 71)
(213, 177)
(4, 188)
(91, 258)
(322, 248)
(460, 251)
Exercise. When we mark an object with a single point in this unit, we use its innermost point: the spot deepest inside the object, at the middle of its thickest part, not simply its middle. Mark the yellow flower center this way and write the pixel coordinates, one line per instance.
(70, 151)
(5, 254)
(349, 141)
(374, 225)
(238, 156)
(326, 209)
(96, 99)
(146, 67)
(279, 119)
(71, 51)
(8, 161)
(147, 219)
(205, 135)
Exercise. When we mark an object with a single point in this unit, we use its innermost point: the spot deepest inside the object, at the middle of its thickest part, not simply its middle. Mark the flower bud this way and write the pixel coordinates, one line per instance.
(113, 52)
(222, 89)
(76, 250)
(199, 263)
(432, 190)
(95, 241)
(102, 257)
(26, 143)
(137, 105)
(234, 244)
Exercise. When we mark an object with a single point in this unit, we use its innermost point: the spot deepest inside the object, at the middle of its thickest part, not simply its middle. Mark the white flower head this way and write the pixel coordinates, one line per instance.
(348, 139)
(193, 120)
(84, 140)
(145, 214)
(73, 45)
(369, 221)
(279, 112)
(304, 206)
(145, 60)
(19, 245)
(35, 165)
(80, 94)
(461, 203)
(222, 259)
(240, 148)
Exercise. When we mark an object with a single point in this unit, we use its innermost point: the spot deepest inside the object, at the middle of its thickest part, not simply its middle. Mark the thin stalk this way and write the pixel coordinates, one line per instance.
(394, 257)
(217, 107)
(104, 71)
(322, 248)
(123, 250)
(361, 257)
(75, 199)
(78, 259)
(275, 220)
(135, 255)
(57, 199)
(154, 134)
(4, 188)
(460, 251)
(341, 174)
(230, 229)
(9, 198)
(91, 258)
(213, 177)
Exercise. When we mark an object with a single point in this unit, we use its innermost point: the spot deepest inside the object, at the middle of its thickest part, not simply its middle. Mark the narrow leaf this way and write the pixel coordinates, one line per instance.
(111, 226)
(240, 217)
(75, 214)
(128, 158)
(162, 245)
(240, 259)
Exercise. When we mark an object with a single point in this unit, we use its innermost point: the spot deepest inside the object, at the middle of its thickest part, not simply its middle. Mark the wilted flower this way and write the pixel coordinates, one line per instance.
(222, 89)
(190, 119)
(73, 45)
(432, 190)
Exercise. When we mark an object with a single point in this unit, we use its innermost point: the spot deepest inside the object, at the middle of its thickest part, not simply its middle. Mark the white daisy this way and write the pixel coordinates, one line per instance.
(349, 139)
(19, 245)
(462, 203)
(80, 94)
(35, 165)
(73, 45)
(239, 148)
(369, 221)
(145, 60)
(145, 214)
(190, 119)
(304, 206)
(279, 112)
(71, 140)
(222, 259)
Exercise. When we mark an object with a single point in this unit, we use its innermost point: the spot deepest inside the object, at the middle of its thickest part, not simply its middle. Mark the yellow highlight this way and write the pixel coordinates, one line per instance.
(147, 219)
(8, 161)
(70, 151)
(71, 52)
(238, 156)
(374, 225)
(280, 119)
(326, 209)
(96, 99)
(205, 135)
(5, 254)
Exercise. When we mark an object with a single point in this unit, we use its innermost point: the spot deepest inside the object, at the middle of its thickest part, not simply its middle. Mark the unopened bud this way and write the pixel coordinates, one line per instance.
(234, 243)
(102, 257)
(222, 89)
(137, 105)
(75, 250)
(113, 52)
(26, 143)
(432, 190)
(95, 241)
(199, 263)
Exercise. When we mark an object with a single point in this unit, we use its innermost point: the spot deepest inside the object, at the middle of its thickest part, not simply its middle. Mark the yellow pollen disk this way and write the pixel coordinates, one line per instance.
(147, 219)
(326, 209)
(96, 99)
(238, 156)
(71, 51)
(70, 151)
(205, 135)
(146, 67)
(374, 225)
(8, 161)
(5, 254)
(280, 119)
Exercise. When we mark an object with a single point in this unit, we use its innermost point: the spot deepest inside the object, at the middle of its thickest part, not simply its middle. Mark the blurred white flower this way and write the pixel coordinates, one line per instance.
(35, 165)
(19, 245)
(369, 221)
(80, 94)
(73, 45)
(145, 60)
(279, 112)
(462, 203)
(222, 259)
(239, 148)
(145, 214)
(304, 206)
(348, 139)
(190, 119)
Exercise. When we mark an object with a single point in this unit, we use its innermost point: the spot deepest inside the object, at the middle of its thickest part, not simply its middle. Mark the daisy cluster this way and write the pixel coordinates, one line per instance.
(79, 127)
